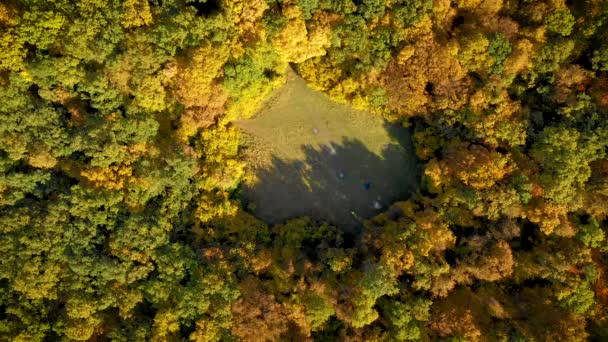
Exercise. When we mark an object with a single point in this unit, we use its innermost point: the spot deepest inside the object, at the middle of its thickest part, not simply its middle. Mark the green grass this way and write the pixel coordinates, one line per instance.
(311, 156)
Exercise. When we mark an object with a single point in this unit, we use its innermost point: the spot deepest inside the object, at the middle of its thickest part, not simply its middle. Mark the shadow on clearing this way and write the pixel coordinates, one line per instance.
(341, 183)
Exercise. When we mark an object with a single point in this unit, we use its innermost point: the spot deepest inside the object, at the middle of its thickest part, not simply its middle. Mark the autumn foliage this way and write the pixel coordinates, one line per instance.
(120, 169)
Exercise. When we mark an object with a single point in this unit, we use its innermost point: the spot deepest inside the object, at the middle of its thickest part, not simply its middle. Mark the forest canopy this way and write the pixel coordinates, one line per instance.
(120, 171)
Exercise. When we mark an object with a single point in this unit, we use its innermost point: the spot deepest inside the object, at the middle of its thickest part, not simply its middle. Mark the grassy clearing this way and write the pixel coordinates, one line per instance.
(308, 155)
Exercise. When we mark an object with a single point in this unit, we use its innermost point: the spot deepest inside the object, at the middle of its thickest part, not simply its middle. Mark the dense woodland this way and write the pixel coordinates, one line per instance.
(119, 185)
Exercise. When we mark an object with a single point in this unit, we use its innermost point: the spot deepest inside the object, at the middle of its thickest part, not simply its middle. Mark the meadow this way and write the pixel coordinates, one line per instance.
(311, 156)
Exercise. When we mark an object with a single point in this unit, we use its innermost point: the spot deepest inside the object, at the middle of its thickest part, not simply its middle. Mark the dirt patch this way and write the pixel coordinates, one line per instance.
(311, 156)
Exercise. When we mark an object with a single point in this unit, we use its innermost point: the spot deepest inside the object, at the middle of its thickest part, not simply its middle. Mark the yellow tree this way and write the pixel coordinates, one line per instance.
(296, 42)
(137, 13)
(472, 52)
(551, 217)
(198, 87)
(475, 165)
(247, 15)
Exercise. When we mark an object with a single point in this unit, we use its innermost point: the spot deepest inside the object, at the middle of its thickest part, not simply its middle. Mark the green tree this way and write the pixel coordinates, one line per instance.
(564, 157)
(560, 21)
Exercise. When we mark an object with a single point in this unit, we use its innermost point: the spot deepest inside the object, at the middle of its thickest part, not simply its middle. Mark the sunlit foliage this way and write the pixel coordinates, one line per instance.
(120, 170)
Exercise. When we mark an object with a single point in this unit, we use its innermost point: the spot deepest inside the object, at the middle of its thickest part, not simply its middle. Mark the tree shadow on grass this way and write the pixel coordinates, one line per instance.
(341, 183)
